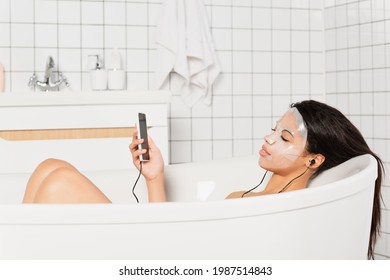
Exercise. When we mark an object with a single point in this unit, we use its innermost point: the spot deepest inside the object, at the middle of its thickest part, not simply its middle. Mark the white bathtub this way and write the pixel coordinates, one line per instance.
(329, 220)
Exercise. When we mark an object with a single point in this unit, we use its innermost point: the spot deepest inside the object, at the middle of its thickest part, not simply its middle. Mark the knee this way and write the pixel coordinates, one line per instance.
(51, 164)
(61, 172)
(56, 186)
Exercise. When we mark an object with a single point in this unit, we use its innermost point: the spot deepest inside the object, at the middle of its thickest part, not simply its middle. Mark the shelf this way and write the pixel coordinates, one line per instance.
(83, 98)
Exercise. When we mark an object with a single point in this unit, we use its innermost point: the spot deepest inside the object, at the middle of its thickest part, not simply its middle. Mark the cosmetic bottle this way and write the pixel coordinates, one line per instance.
(116, 74)
(97, 74)
(1, 78)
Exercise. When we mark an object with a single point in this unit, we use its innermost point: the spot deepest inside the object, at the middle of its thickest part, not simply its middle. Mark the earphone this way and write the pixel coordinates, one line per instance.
(312, 161)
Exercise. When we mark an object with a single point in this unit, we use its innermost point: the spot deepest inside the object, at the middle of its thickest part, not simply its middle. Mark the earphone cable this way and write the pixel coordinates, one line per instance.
(252, 189)
(289, 183)
(139, 175)
(284, 188)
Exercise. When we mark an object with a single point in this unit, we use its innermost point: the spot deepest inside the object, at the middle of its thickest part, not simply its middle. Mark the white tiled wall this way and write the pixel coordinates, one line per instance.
(258, 43)
(358, 68)
(271, 54)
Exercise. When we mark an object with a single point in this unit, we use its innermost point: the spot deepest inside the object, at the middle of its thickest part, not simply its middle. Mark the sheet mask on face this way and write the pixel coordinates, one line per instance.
(288, 140)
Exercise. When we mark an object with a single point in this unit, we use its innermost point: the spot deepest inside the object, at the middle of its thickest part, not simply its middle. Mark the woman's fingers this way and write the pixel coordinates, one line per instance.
(134, 146)
(135, 152)
(134, 141)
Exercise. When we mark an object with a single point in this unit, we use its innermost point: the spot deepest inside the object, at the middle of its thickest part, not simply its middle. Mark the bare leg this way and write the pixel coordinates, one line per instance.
(65, 185)
(40, 173)
(56, 181)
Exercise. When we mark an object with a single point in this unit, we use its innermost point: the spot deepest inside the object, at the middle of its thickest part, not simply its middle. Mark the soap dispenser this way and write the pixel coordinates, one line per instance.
(116, 74)
(97, 73)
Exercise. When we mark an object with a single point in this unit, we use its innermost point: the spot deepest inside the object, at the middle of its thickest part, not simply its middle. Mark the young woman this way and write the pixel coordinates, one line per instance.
(310, 137)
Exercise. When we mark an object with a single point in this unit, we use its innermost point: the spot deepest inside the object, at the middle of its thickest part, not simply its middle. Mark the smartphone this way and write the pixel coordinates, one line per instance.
(143, 134)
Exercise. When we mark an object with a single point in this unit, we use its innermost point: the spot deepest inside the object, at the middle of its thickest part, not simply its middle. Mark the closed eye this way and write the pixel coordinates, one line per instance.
(287, 136)
(281, 136)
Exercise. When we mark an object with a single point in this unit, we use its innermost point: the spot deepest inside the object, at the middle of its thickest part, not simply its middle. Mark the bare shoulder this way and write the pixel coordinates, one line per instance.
(235, 195)
(240, 193)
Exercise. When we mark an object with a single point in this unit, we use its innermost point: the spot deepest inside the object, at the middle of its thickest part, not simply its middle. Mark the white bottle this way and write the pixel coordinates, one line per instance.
(116, 75)
(97, 74)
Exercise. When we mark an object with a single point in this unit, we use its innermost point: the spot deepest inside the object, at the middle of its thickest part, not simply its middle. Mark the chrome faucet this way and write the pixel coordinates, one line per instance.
(47, 84)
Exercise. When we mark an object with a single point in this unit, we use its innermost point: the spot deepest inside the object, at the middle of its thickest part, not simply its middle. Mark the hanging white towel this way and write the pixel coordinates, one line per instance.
(185, 46)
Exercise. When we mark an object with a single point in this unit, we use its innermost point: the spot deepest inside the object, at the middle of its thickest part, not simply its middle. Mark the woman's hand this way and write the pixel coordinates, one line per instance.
(153, 168)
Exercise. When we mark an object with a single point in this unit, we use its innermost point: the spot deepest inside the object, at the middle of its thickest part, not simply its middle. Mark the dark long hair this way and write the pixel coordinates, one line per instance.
(331, 134)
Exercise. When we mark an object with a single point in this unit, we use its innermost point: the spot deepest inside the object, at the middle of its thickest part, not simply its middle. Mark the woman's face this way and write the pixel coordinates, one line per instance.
(284, 147)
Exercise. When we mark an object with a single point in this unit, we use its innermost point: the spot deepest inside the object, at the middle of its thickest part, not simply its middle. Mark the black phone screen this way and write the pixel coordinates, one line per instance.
(144, 135)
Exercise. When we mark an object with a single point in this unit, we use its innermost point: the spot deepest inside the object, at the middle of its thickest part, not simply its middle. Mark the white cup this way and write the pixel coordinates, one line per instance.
(116, 79)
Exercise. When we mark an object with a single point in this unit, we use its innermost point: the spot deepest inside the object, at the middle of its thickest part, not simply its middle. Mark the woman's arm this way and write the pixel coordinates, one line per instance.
(156, 189)
(152, 170)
